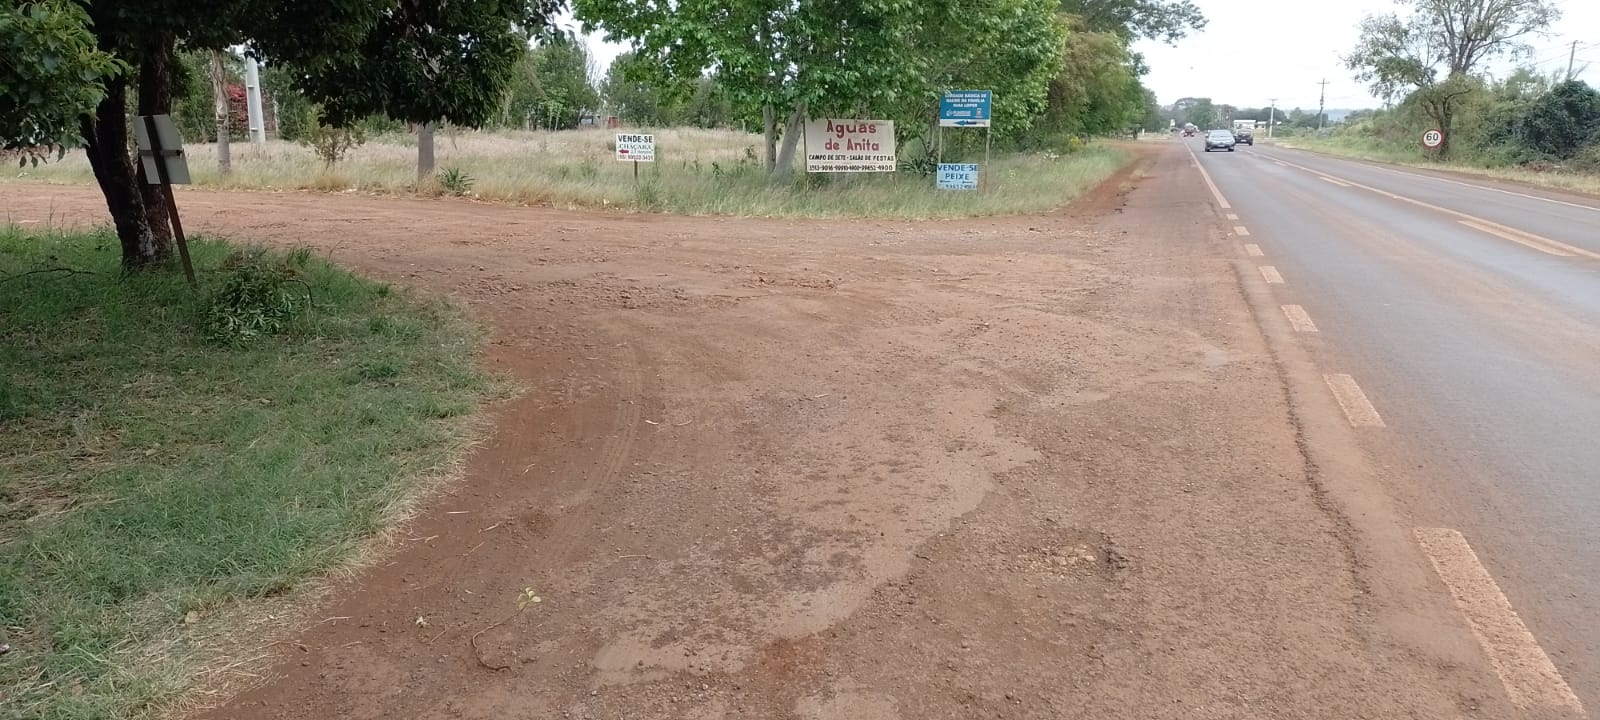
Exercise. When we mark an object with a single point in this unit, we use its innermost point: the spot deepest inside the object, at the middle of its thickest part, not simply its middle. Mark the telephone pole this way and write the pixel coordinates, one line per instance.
(1272, 116)
(1571, 57)
(1322, 103)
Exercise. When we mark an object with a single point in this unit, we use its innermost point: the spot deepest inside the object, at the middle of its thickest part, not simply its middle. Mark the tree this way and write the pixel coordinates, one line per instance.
(639, 96)
(1164, 20)
(53, 74)
(1201, 113)
(1096, 90)
(1564, 120)
(416, 61)
(1431, 55)
(789, 58)
(552, 85)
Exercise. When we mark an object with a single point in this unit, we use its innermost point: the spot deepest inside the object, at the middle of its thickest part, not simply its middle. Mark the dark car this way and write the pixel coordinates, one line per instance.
(1244, 137)
(1219, 140)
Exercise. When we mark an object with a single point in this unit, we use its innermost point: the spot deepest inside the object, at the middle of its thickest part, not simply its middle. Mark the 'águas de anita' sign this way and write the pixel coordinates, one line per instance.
(836, 146)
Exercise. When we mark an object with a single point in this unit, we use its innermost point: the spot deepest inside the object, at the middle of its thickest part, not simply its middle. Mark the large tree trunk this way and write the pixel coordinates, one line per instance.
(424, 151)
(223, 110)
(793, 130)
(105, 139)
(155, 98)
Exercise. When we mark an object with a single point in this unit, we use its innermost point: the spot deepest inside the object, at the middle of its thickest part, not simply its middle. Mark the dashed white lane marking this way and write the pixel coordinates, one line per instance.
(1325, 178)
(1299, 319)
(1232, 216)
(1253, 250)
(1542, 244)
(1271, 275)
(1355, 403)
(1241, 231)
(1531, 680)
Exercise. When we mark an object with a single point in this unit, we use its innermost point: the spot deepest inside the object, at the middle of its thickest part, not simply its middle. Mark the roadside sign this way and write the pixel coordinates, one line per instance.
(958, 176)
(161, 156)
(1432, 139)
(636, 148)
(848, 146)
(167, 150)
(965, 108)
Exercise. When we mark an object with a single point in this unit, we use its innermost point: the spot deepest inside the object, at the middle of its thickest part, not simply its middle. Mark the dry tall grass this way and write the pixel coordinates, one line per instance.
(697, 171)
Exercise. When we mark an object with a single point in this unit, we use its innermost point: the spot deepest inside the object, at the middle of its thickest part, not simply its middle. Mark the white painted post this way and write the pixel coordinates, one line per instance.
(252, 92)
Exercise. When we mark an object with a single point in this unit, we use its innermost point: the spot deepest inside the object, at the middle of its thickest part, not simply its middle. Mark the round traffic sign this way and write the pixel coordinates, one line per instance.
(1432, 139)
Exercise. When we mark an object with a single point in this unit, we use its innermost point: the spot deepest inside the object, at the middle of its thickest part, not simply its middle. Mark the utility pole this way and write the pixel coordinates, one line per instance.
(1322, 104)
(252, 102)
(1272, 117)
(1571, 57)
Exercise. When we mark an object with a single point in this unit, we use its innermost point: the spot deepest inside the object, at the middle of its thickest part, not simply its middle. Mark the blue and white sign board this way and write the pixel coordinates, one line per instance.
(958, 176)
(965, 108)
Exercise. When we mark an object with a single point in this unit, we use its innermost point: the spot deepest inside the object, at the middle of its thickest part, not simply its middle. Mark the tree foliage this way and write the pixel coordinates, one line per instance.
(415, 61)
(1164, 20)
(1430, 56)
(53, 73)
(550, 86)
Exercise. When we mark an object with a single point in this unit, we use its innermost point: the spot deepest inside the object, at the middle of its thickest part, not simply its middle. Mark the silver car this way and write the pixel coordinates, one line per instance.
(1219, 140)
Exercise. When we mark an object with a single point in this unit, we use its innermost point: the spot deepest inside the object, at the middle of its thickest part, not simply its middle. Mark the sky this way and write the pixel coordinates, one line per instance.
(1252, 52)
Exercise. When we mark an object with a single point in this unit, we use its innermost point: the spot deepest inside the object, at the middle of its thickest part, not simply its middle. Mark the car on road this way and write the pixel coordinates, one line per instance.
(1244, 137)
(1219, 140)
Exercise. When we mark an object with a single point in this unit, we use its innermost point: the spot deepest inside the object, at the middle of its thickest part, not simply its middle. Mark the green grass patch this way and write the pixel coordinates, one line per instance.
(698, 172)
(155, 471)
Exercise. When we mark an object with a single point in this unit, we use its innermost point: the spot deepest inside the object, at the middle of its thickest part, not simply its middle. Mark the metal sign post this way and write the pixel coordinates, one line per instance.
(967, 109)
(165, 166)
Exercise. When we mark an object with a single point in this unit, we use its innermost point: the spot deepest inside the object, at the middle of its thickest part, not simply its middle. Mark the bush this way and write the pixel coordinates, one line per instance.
(331, 143)
(259, 296)
(455, 182)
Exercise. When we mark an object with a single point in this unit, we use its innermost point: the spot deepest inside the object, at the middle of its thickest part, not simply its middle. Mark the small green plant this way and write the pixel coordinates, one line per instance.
(332, 144)
(647, 195)
(259, 296)
(455, 182)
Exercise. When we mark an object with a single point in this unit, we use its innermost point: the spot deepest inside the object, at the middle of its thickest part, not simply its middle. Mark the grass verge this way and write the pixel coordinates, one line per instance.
(1360, 148)
(155, 483)
(698, 172)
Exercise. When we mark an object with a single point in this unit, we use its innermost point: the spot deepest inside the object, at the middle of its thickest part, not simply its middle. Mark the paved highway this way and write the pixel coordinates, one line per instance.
(1466, 315)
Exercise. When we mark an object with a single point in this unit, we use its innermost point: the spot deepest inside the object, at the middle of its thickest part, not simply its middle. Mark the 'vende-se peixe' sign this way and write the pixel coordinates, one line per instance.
(849, 146)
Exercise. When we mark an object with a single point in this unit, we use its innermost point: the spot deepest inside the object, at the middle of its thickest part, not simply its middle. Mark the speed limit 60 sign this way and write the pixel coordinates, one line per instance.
(1432, 139)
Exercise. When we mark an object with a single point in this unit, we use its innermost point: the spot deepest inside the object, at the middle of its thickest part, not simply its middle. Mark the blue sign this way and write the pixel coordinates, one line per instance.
(965, 108)
(958, 176)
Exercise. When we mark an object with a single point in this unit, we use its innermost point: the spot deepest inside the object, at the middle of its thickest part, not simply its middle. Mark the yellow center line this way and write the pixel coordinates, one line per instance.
(1521, 238)
(1531, 679)
(1538, 242)
(1325, 178)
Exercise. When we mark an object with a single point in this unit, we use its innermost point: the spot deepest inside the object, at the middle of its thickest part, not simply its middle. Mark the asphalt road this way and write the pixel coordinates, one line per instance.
(1468, 314)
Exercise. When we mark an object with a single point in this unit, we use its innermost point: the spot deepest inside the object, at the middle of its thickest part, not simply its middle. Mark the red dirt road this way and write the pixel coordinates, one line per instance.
(1019, 468)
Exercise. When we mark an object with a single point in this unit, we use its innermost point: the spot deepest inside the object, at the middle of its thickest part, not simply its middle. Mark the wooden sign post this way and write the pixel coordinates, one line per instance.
(161, 150)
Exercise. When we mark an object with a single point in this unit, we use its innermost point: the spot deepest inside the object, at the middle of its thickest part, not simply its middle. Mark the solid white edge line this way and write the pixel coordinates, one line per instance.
(1530, 678)
(1221, 201)
(1580, 206)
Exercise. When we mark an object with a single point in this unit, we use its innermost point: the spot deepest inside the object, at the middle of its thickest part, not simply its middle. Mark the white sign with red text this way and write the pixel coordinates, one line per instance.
(844, 146)
(638, 148)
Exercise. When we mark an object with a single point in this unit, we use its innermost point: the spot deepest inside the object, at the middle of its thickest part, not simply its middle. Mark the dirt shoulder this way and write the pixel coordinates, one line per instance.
(1025, 468)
